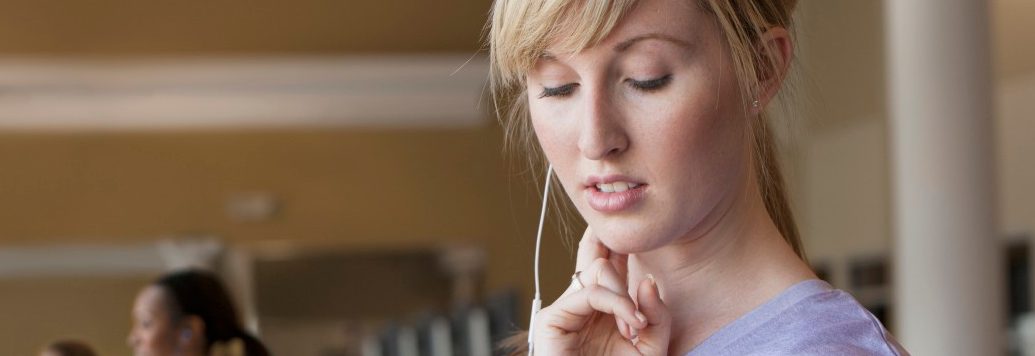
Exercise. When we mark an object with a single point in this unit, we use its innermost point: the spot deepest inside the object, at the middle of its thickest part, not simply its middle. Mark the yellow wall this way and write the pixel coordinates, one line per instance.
(349, 188)
(354, 186)
(360, 189)
(193, 27)
(39, 310)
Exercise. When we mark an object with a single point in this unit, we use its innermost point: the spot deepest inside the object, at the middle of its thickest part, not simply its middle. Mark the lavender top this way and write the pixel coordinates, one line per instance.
(809, 318)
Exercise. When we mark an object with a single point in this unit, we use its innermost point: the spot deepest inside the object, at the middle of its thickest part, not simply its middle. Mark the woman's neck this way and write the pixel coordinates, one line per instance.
(710, 279)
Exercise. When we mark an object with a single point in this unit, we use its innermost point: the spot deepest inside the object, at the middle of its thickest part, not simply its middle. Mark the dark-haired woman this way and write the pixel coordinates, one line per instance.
(189, 313)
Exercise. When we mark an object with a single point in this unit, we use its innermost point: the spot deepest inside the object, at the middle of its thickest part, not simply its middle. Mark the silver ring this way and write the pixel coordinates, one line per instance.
(575, 282)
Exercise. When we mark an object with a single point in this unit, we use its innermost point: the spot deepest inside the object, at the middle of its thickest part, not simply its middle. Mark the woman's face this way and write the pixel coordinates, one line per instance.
(153, 333)
(646, 130)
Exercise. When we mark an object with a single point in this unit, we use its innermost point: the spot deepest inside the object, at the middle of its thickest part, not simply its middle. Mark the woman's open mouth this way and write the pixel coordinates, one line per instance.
(614, 194)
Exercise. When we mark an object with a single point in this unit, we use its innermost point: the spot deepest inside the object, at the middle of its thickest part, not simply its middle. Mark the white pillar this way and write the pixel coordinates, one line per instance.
(239, 276)
(466, 266)
(947, 274)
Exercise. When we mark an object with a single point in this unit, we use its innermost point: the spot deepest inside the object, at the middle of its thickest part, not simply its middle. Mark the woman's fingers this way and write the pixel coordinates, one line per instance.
(654, 338)
(602, 272)
(620, 262)
(596, 265)
(624, 329)
(589, 250)
(599, 272)
(570, 314)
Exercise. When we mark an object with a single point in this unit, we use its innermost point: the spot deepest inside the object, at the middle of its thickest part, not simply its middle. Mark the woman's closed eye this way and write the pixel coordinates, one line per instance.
(650, 84)
(563, 90)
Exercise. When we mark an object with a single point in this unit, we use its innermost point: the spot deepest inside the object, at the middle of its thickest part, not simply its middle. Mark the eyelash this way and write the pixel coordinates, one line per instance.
(652, 84)
(563, 90)
(644, 85)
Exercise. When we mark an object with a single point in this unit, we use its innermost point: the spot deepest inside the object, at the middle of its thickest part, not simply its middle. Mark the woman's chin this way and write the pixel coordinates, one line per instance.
(628, 241)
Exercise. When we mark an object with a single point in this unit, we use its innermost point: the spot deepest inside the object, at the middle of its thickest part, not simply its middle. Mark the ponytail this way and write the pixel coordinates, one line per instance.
(201, 294)
(243, 344)
(771, 185)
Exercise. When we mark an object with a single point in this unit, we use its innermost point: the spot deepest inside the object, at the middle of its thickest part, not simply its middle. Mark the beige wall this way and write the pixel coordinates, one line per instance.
(358, 189)
(1015, 126)
(839, 172)
(846, 190)
(843, 170)
(347, 188)
(37, 311)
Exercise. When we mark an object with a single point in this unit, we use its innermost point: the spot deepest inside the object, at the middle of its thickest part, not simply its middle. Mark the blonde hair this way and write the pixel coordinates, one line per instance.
(520, 30)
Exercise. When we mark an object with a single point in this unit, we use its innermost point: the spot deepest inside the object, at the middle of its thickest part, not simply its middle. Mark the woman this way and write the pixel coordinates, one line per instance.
(189, 313)
(652, 114)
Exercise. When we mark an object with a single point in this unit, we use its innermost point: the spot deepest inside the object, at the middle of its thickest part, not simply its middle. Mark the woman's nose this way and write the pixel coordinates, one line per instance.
(602, 134)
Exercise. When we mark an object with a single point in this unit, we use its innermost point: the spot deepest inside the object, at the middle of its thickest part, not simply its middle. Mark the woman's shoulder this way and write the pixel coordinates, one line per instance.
(832, 321)
(809, 318)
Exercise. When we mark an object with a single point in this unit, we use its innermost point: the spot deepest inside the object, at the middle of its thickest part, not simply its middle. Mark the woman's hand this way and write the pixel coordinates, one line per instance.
(601, 318)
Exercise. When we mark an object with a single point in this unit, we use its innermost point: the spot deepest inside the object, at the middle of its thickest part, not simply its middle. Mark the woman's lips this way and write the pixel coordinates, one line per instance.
(614, 197)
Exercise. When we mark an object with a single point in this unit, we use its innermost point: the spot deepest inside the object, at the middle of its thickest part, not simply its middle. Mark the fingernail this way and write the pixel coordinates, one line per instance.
(654, 283)
(642, 318)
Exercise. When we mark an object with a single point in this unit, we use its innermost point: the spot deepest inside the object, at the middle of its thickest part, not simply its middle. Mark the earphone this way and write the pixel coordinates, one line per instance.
(186, 334)
(536, 302)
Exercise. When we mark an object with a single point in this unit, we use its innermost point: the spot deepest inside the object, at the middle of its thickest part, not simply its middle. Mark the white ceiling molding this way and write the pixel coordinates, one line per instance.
(187, 93)
(80, 260)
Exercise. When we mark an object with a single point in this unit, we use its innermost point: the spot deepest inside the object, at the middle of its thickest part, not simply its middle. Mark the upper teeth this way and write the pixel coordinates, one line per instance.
(616, 187)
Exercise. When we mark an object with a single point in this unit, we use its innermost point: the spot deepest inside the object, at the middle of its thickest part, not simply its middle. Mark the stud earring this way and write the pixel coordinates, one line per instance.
(755, 104)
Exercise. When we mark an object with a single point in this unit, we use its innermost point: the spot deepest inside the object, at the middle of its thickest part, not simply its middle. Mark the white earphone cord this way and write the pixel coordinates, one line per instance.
(536, 302)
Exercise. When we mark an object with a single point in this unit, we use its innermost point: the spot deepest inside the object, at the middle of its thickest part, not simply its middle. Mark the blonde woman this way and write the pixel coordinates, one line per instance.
(653, 116)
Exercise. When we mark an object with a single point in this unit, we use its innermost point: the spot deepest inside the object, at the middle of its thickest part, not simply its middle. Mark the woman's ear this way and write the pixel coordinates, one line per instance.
(192, 332)
(777, 50)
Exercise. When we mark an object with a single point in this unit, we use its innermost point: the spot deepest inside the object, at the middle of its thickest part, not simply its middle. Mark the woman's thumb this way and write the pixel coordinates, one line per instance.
(654, 339)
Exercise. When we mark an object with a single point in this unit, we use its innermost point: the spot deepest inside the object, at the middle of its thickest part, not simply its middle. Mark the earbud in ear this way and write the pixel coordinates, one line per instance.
(186, 334)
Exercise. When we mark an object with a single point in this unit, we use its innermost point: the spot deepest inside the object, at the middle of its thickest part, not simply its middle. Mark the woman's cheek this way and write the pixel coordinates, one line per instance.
(549, 132)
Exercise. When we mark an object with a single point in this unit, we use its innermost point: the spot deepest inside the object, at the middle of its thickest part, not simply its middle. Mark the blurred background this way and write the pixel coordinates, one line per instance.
(338, 163)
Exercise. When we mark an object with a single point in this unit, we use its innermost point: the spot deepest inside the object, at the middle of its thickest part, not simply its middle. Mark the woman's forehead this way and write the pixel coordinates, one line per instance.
(150, 299)
(676, 20)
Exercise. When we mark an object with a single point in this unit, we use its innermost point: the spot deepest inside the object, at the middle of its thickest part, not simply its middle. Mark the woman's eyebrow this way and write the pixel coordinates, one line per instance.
(624, 45)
